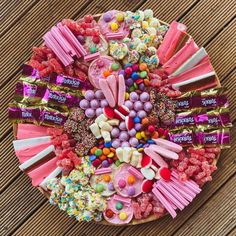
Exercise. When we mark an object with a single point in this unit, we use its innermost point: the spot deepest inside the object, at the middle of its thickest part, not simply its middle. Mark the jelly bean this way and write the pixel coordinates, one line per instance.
(110, 155)
(143, 74)
(98, 152)
(120, 17)
(131, 179)
(106, 73)
(96, 163)
(92, 151)
(107, 178)
(102, 157)
(121, 183)
(106, 151)
(123, 216)
(93, 49)
(105, 163)
(119, 206)
(109, 213)
(151, 128)
(135, 75)
(128, 70)
(143, 135)
(110, 160)
(115, 66)
(114, 26)
(131, 191)
(92, 158)
(135, 67)
(139, 81)
(108, 144)
(143, 66)
(138, 135)
(145, 121)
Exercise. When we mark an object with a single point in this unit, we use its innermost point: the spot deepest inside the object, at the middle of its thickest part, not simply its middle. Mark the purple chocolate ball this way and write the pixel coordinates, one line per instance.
(144, 97)
(132, 113)
(133, 142)
(99, 111)
(107, 16)
(147, 106)
(133, 97)
(129, 104)
(138, 106)
(89, 95)
(110, 186)
(141, 114)
(103, 103)
(99, 94)
(84, 104)
(131, 191)
(137, 126)
(122, 126)
(132, 132)
(125, 144)
(115, 132)
(116, 143)
(105, 163)
(124, 136)
(94, 104)
(129, 82)
(90, 113)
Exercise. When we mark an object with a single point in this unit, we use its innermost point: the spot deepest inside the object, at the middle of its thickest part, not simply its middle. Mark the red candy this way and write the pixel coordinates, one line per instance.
(96, 163)
(165, 173)
(109, 213)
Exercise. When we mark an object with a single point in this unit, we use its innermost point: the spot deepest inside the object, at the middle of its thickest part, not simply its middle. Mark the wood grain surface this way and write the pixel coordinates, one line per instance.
(24, 210)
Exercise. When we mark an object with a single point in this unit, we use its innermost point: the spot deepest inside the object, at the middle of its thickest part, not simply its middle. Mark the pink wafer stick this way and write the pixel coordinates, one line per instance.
(164, 152)
(164, 202)
(118, 35)
(155, 157)
(193, 187)
(169, 196)
(92, 56)
(180, 57)
(112, 82)
(37, 175)
(177, 194)
(56, 33)
(107, 92)
(135, 172)
(102, 171)
(25, 131)
(122, 90)
(125, 200)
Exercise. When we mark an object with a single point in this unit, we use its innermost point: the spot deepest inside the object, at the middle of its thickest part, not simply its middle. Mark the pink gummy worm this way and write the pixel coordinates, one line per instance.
(122, 199)
(135, 172)
(102, 171)
(164, 202)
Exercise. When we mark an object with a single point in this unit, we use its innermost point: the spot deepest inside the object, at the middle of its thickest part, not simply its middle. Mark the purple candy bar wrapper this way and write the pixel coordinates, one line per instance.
(184, 119)
(183, 103)
(185, 138)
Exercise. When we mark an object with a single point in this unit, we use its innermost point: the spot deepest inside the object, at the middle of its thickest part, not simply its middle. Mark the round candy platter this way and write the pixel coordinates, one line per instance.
(119, 117)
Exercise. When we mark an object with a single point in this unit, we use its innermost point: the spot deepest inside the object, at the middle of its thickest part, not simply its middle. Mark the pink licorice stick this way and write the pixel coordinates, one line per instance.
(112, 82)
(25, 131)
(66, 59)
(118, 35)
(180, 57)
(170, 196)
(122, 90)
(125, 200)
(63, 42)
(171, 39)
(164, 202)
(107, 92)
(168, 145)
(155, 157)
(37, 175)
(164, 152)
(177, 194)
(102, 171)
(135, 172)
(92, 56)
(72, 39)
(193, 187)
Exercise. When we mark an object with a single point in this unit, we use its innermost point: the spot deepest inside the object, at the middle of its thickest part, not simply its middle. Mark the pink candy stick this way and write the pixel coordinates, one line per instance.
(39, 174)
(135, 172)
(72, 39)
(25, 131)
(112, 82)
(125, 200)
(164, 202)
(177, 194)
(193, 187)
(121, 93)
(56, 33)
(169, 196)
(164, 152)
(103, 84)
(180, 57)
(102, 171)
(66, 59)
(155, 157)
(168, 145)
(171, 39)
(92, 56)
(110, 36)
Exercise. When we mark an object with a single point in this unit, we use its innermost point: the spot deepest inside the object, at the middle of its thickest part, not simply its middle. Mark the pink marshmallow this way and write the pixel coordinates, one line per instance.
(122, 90)
(112, 82)
(103, 84)
(155, 157)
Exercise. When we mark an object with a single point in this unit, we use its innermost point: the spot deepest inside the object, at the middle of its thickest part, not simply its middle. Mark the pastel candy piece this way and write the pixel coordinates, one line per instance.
(157, 158)
(148, 173)
(127, 153)
(164, 202)
(39, 174)
(168, 145)
(196, 58)
(180, 57)
(121, 91)
(106, 135)
(107, 92)
(100, 118)
(49, 151)
(52, 175)
(113, 122)
(105, 126)
(136, 159)
(119, 154)
(25, 131)
(95, 130)
(173, 36)
(164, 152)
(112, 82)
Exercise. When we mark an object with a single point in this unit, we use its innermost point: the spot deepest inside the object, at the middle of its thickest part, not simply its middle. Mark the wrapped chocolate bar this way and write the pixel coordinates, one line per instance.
(184, 102)
(30, 93)
(184, 137)
(184, 119)
(19, 113)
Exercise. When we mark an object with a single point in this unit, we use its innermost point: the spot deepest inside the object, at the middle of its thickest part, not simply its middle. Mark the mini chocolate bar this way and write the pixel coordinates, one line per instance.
(185, 137)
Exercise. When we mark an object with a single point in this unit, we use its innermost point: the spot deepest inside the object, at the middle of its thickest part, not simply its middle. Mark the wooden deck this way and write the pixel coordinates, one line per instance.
(24, 211)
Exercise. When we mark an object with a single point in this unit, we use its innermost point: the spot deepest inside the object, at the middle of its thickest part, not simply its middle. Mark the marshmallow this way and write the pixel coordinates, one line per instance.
(136, 159)
(106, 136)
(100, 118)
(119, 153)
(127, 152)
(113, 122)
(95, 130)
(105, 126)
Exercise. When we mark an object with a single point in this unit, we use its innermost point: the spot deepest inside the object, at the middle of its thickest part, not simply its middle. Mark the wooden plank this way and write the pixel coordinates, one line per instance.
(18, 202)
(233, 232)
(13, 11)
(29, 31)
(207, 17)
(166, 225)
(222, 214)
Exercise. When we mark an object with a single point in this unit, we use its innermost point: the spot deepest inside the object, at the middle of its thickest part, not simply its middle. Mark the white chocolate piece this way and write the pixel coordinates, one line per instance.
(105, 126)
(37, 157)
(136, 159)
(127, 152)
(148, 173)
(154, 168)
(100, 118)
(113, 122)
(106, 136)
(119, 154)
(95, 130)
(54, 174)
